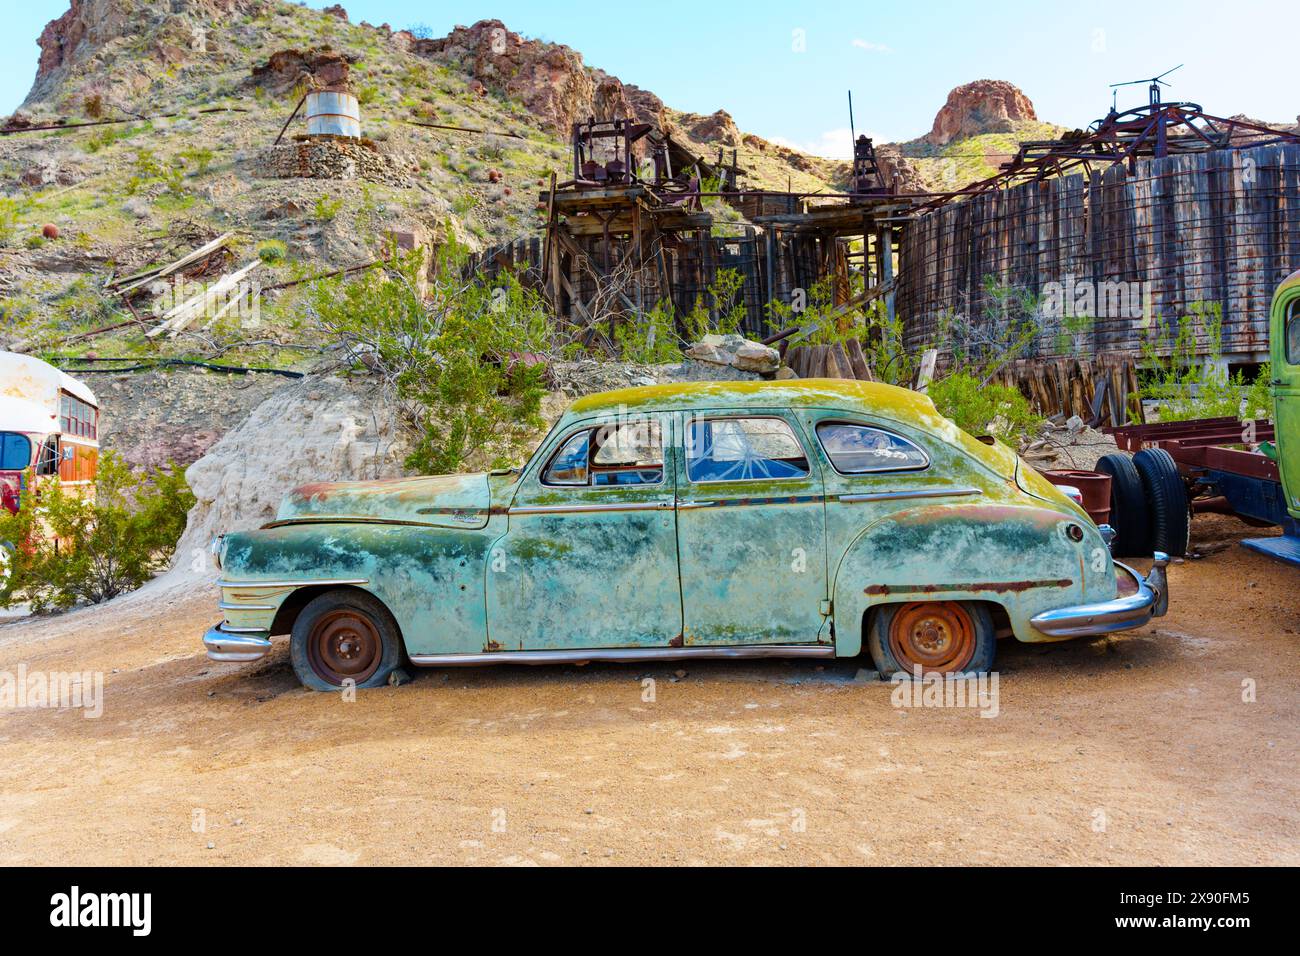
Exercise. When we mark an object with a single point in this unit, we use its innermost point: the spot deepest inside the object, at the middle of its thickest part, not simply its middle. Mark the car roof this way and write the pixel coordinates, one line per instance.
(873, 398)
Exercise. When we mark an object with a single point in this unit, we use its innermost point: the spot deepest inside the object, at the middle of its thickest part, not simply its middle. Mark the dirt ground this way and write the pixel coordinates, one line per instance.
(1134, 750)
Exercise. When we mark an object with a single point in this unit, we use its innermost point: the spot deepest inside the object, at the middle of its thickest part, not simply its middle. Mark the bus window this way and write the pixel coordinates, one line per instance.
(15, 451)
(48, 461)
(78, 418)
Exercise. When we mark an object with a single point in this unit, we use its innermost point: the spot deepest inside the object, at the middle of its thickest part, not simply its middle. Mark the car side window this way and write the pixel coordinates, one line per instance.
(570, 465)
(861, 449)
(743, 449)
(1293, 334)
(617, 454)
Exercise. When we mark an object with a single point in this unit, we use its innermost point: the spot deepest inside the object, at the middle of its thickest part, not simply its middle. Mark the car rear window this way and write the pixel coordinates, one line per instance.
(863, 449)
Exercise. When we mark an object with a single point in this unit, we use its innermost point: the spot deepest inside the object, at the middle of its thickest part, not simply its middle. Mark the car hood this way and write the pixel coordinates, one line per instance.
(444, 501)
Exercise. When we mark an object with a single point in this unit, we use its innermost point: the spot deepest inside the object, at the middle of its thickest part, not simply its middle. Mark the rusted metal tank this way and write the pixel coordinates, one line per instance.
(1093, 485)
(333, 113)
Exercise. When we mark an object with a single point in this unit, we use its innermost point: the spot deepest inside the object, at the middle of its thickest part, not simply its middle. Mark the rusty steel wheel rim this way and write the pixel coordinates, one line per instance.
(937, 636)
(345, 644)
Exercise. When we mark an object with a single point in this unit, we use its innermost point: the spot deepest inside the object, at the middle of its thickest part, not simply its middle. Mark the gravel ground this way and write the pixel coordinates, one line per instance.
(1134, 750)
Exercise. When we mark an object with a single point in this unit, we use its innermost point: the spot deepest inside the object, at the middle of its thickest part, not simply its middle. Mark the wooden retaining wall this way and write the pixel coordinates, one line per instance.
(1207, 232)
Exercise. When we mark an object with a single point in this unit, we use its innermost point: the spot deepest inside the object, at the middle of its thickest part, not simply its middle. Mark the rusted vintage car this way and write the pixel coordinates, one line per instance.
(810, 519)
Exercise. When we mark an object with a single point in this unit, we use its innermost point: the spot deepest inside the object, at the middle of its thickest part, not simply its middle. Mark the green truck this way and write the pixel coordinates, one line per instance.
(1247, 468)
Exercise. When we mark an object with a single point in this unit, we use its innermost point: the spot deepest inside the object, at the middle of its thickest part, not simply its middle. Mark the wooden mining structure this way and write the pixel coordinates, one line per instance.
(629, 232)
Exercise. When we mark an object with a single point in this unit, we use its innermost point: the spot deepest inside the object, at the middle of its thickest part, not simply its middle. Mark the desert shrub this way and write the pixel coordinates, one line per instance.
(1009, 326)
(199, 158)
(272, 251)
(326, 208)
(1184, 375)
(63, 550)
(720, 310)
(982, 408)
(10, 210)
(649, 338)
(451, 357)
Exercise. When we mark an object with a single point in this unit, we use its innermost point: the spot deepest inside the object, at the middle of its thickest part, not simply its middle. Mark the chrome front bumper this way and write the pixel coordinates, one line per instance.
(1120, 614)
(236, 645)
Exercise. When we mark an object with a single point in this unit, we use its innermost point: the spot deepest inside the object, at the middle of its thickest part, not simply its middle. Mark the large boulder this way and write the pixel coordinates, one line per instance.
(319, 429)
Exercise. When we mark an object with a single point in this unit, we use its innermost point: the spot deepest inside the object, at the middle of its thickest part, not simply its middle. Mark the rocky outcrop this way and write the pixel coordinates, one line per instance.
(898, 171)
(89, 26)
(548, 78)
(321, 68)
(646, 107)
(717, 128)
(985, 106)
(315, 430)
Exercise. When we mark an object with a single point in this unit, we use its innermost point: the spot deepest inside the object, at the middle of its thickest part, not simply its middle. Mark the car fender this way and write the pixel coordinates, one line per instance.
(431, 579)
(1018, 556)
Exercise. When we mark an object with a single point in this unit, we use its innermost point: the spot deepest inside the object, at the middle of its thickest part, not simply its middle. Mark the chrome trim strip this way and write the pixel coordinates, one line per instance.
(903, 495)
(585, 509)
(226, 606)
(235, 648)
(629, 654)
(1120, 614)
(752, 502)
(274, 585)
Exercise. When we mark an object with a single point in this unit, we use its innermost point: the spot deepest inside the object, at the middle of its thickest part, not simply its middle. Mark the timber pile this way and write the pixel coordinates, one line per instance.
(841, 360)
(1100, 391)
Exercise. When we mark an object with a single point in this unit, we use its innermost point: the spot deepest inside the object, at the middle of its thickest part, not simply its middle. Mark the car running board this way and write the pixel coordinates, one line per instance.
(623, 654)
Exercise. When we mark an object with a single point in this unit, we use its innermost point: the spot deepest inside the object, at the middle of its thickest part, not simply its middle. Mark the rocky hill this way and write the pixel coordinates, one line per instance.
(207, 86)
(977, 129)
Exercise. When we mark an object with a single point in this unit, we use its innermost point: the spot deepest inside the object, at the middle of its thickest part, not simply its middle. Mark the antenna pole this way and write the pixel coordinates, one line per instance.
(853, 139)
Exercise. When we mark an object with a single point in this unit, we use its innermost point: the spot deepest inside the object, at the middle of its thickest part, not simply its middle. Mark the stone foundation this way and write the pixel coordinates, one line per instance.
(330, 157)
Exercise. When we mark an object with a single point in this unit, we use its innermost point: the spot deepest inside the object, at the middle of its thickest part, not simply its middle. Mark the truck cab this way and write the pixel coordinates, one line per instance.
(1284, 347)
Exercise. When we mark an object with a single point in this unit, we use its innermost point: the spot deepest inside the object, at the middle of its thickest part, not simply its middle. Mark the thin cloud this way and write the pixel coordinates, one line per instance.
(832, 144)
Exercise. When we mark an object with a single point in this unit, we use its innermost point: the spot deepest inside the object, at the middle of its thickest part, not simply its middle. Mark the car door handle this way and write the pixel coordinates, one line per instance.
(694, 505)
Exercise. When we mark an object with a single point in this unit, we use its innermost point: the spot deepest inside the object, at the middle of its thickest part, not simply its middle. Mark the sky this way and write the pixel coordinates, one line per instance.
(784, 69)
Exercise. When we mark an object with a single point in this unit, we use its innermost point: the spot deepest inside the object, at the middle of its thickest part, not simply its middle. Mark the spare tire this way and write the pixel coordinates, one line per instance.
(1170, 514)
(1129, 514)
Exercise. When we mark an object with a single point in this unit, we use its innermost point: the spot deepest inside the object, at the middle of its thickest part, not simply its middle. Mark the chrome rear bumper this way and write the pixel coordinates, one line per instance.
(236, 645)
(1120, 614)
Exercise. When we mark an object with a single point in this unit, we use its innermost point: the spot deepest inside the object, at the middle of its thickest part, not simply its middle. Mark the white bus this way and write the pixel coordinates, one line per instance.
(49, 423)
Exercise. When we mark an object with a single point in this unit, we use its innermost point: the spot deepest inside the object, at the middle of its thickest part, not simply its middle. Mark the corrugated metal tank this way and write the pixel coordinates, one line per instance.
(335, 114)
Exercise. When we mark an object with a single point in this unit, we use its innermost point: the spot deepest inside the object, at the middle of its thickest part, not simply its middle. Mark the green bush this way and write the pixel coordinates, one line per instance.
(982, 408)
(450, 355)
(1187, 379)
(63, 550)
(10, 211)
(272, 251)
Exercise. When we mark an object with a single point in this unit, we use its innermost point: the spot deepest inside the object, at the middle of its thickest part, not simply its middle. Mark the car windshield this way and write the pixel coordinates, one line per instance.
(15, 451)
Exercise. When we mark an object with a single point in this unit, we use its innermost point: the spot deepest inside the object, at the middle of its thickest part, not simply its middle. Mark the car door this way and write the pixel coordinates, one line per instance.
(1286, 396)
(589, 557)
(750, 530)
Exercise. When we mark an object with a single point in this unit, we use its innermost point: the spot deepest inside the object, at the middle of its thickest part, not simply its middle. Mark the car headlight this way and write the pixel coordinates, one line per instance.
(217, 546)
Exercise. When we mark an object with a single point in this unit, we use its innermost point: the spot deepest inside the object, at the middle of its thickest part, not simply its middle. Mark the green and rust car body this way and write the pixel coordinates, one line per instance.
(502, 567)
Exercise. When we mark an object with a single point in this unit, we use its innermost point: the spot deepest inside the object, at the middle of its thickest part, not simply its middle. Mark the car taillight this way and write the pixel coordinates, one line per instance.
(1071, 492)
